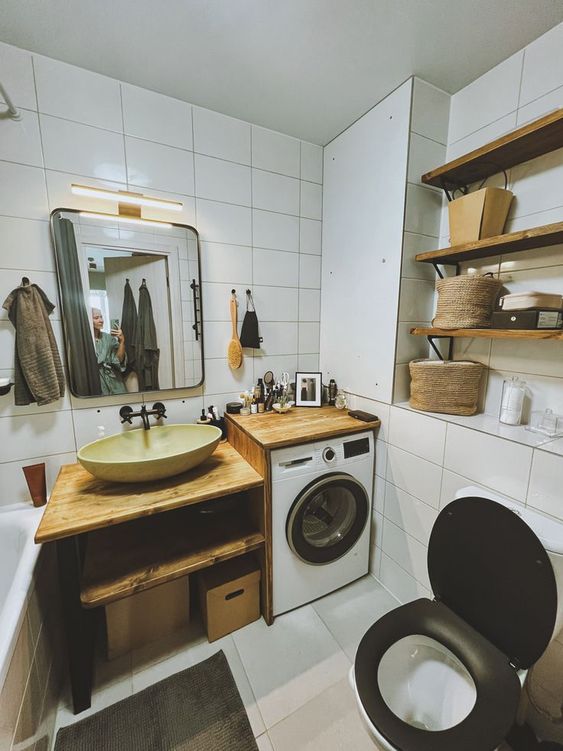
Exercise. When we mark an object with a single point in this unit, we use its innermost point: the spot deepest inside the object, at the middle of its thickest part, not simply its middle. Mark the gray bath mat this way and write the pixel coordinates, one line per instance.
(199, 709)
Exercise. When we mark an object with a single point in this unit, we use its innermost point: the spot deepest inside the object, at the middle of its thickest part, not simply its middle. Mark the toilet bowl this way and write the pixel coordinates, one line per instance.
(444, 674)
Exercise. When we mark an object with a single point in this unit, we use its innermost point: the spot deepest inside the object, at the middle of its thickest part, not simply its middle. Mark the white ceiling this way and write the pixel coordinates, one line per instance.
(304, 67)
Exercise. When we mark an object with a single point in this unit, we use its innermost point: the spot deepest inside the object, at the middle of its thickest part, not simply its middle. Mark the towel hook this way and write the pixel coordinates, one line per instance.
(25, 281)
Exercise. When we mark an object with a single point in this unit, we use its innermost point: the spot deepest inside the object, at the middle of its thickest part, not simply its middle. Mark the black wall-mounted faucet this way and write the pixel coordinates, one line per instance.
(127, 414)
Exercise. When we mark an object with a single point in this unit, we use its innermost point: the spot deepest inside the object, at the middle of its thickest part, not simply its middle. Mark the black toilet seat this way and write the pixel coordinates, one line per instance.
(496, 681)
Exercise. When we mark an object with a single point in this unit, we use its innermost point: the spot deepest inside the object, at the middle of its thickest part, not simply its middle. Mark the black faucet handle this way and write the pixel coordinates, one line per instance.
(160, 410)
(125, 414)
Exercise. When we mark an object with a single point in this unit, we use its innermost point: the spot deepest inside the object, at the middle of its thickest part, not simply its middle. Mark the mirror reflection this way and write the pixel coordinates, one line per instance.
(131, 304)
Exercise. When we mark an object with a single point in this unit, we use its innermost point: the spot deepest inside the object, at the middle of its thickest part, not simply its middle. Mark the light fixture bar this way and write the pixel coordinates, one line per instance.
(125, 196)
(125, 219)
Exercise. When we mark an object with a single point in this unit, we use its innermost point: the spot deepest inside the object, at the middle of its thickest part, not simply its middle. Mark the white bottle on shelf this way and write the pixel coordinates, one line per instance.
(512, 402)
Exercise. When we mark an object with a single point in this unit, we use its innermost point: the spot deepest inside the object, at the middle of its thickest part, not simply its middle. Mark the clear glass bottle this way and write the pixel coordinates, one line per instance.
(512, 402)
(340, 400)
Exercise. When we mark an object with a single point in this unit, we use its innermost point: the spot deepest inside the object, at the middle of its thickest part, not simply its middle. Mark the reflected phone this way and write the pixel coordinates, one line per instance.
(114, 324)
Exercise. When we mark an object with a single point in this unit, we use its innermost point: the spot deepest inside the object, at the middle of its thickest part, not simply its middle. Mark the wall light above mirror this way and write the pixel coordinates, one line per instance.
(125, 197)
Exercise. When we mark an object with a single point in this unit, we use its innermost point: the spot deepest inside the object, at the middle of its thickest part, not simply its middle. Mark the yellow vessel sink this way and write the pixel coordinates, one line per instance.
(144, 455)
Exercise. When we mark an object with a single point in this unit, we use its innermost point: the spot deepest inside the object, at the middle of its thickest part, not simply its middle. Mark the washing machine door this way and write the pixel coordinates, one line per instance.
(327, 518)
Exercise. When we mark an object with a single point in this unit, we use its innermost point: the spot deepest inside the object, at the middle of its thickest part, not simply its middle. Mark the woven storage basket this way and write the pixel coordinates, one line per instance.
(465, 302)
(448, 387)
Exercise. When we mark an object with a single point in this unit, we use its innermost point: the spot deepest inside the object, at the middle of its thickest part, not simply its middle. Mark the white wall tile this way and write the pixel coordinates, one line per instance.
(222, 181)
(310, 232)
(410, 347)
(311, 200)
(14, 486)
(22, 191)
(493, 462)
(60, 196)
(276, 363)
(231, 264)
(379, 495)
(309, 271)
(275, 152)
(407, 512)
(275, 192)
(416, 476)
(17, 76)
(546, 482)
(311, 162)
(451, 483)
(423, 211)
(430, 111)
(29, 244)
(416, 302)
(309, 337)
(275, 268)
(308, 363)
(280, 337)
(543, 65)
(399, 582)
(413, 244)
(541, 106)
(21, 141)
(220, 379)
(82, 149)
(424, 155)
(216, 298)
(28, 436)
(152, 165)
(276, 303)
(76, 94)
(381, 450)
(480, 137)
(156, 117)
(309, 305)
(221, 136)
(216, 335)
(409, 553)
(275, 231)
(222, 222)
(419, 434)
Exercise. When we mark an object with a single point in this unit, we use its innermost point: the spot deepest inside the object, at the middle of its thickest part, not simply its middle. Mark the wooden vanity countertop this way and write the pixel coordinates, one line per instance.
(301, 425)
(80, 503)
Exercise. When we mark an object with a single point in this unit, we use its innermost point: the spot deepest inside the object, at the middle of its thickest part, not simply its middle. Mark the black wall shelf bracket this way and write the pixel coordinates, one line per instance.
(431, 342)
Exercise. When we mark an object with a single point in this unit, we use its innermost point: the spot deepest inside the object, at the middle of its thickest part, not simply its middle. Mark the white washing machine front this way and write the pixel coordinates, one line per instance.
(321, 508)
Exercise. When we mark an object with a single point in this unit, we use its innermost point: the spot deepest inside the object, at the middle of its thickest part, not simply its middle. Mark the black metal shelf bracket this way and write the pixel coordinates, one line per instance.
(431, 338)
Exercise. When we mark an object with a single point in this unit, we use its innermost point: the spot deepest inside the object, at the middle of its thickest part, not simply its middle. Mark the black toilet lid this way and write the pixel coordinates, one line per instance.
(487, 565)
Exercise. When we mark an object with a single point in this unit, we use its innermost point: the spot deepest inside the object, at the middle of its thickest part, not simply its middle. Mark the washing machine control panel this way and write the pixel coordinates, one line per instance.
(329, 454)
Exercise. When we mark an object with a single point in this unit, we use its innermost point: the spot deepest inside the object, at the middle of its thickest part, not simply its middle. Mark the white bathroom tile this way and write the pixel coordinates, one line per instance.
(407, 512)
(424, 155)
(308, 363)
(499, 464)
(414, 475)
(303, 660)
(309, 271)
(76, 94)
(231, 264)
(28, 436)
(349, 612)
(309, 305)
(527, 357)
(430, 111)
(401, 383)
(22, 191)
(399, 582)
(537, 184)
(489, 98)
(152, 165)
(418, 434)
(380, 456)
(546, 482)
(311, 200)
(156, 117)
(220, 379)
(93, 421)
(82, 149)
(21, 141)
(309, 337)
(423, 211)
(280, 337)
(311, 162)
(410, 347)
(543, 67)
(375, 543)
(60, 195)
(274, 192)
(217, 335)
(276, 303)
(452, 482)
(409, 553)
(14, 486)
(221, 136)
(310, 234)
(276, 363)
(263, 742)
(379, 495)
(17, 76)
(216, 298)
(275, 152)
(416, 302)
(224, 181)
(275, 268)
(29, 244)
(275, 231)
(224, 223)
(480, 137)
(413, 244)
(541, 106)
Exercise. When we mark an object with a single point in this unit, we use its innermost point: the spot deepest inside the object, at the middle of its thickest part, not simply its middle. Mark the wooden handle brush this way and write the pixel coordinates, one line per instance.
(234, 352)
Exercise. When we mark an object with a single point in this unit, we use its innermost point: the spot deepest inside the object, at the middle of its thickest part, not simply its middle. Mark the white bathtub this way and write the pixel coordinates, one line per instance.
(18, 555)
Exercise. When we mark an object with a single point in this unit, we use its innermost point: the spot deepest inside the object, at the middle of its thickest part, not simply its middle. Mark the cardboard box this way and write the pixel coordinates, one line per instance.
(229, 595)
(478, 215)
(147, 616)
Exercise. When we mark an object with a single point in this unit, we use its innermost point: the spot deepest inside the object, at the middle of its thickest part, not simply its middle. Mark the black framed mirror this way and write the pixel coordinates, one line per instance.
(131, 303)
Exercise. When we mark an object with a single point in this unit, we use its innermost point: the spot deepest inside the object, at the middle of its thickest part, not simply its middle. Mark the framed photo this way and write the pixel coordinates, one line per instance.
(308, 389)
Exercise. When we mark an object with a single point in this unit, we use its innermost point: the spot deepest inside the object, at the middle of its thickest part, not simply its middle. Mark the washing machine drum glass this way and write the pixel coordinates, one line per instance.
(327, 518)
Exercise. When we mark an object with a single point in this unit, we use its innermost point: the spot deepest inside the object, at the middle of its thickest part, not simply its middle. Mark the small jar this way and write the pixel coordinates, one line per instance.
(244, 411)
(340, 400)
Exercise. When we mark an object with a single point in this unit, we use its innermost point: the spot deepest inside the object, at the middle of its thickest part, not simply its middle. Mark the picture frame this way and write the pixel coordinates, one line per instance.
(308, 389)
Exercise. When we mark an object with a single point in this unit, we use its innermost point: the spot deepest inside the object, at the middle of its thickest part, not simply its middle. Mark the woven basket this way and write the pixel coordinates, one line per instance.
(448, 387)
(466, 302)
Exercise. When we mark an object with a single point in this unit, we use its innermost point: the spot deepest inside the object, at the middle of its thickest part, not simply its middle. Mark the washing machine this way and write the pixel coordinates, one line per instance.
(321, 506)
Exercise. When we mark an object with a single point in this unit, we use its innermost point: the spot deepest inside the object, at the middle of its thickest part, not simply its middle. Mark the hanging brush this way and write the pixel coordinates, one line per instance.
(234, 352)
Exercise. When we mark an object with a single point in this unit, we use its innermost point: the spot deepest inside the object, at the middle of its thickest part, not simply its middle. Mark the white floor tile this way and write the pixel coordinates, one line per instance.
(350, 611)
(264, 743)
(290, 662)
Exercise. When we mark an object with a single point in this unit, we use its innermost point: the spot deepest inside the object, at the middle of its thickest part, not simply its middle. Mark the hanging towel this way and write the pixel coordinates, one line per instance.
(147, 353)
(39, 375)
(129, 325)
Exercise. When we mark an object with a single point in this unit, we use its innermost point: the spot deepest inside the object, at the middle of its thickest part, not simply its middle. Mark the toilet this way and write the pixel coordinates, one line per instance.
(447, 674)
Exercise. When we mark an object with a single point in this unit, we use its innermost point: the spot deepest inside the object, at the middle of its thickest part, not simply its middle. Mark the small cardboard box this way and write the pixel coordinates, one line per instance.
(147, 616)
(229, 595)
(478, 215)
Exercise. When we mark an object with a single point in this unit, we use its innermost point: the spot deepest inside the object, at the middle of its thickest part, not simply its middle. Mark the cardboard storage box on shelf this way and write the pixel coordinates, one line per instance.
(229, 595)
(478, 215)
(147, 616)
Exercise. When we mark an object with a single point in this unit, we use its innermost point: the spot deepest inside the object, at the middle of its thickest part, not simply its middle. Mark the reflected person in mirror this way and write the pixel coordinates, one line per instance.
(111, 356)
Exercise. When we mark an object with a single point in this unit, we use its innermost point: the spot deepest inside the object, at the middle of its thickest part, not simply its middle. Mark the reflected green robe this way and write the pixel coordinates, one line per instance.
(109, 365)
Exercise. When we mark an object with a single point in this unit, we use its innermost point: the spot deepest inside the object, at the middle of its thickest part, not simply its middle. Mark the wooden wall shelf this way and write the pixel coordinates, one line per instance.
(528, 142)
(537, 237)
(556, 334)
